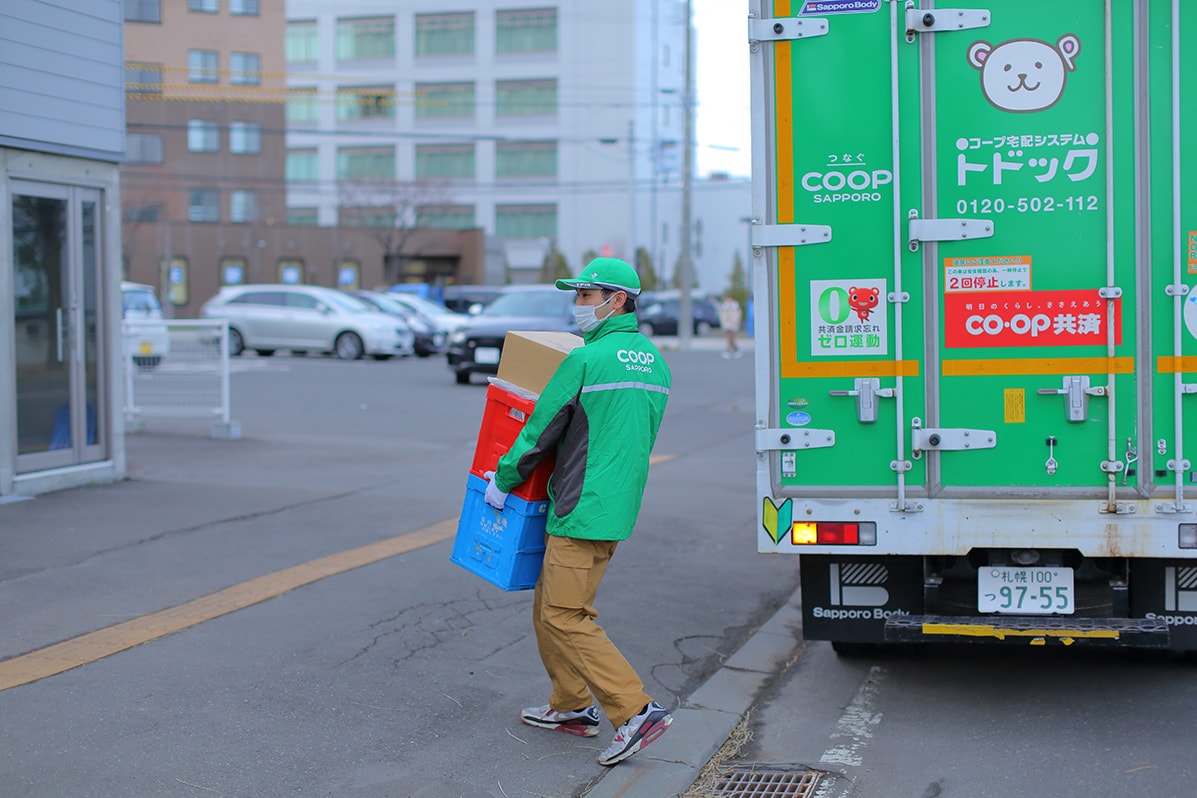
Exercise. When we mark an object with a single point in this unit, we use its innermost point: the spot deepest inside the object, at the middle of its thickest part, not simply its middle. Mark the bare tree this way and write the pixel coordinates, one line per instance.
(391, 209)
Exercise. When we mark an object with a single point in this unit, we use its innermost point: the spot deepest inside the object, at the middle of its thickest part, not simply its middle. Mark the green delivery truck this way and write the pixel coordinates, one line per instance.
(975, 269)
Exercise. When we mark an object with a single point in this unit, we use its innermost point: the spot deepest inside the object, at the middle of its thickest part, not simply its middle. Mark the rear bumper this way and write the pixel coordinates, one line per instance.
(1028, 630)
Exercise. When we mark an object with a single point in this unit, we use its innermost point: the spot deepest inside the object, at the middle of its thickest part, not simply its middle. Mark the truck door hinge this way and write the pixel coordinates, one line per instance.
(1176, 290)
(784, 29)
(946, 230)
(769, 440)
(866, 390)
(789, 235)
(942, 20)
(953, 439)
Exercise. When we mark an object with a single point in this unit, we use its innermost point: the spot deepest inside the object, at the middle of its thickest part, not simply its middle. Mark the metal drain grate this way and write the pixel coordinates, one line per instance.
(751, 782)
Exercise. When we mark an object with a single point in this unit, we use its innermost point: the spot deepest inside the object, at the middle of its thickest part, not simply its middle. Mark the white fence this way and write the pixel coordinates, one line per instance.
(178, 368)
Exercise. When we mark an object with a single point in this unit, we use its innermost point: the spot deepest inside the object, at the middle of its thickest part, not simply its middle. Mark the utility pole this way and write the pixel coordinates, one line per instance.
(632, 259)
(685, 312)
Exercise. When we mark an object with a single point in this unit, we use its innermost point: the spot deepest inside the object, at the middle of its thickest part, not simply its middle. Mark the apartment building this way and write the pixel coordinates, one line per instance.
(205, 180)
(547, 125)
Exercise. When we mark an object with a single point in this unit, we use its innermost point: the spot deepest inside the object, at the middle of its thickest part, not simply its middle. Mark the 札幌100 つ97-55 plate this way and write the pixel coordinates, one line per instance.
(1025, 591)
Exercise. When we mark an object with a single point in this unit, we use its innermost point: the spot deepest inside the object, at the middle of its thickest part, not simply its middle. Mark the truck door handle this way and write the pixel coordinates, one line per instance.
(866, 390)
(1077, 391)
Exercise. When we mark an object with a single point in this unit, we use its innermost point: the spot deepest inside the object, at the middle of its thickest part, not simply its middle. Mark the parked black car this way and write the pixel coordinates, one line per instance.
(657, 314)
(476, 347)
(463, 297)
(428, 339)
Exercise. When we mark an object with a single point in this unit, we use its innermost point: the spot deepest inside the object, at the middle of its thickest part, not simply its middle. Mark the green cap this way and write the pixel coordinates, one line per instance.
(610, 273)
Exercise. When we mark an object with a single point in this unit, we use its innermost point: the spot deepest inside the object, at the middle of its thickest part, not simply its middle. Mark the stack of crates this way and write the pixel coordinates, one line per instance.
(504, 547)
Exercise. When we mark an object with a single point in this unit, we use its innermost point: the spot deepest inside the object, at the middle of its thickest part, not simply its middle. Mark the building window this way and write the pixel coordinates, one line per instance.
(366, 163)
(303, 217)
(204, 6)
(143, 78)
(302, 166)
(203, 205)
(232, 271)
(203, 135)
(445, 34)
(243, 206)
(526, 221)
(245, 138)
(365, 38)
(301, 105)
(243, 8)
(143, 10)
(526, 98)
(526, 159)
(143, 148)
(444, 100)
(349, 274)
(365, 102)
(445, 161)
(290, 271)
(150, 212)
(526, 30)
(203, 66)
(446, 217)
(245, 69)
(302, 42)
(378, 216)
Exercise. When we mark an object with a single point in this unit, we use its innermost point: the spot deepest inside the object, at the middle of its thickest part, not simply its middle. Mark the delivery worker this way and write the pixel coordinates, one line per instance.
(600, 413)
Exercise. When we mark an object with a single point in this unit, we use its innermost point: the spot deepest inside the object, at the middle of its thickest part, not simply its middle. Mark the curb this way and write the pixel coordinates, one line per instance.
(705, 720)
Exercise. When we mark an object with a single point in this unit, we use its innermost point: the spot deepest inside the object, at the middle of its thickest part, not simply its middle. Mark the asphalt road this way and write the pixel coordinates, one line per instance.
(399, 678)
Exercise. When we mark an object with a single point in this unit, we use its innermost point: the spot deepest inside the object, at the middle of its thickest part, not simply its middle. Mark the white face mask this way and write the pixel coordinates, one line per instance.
(584, 316)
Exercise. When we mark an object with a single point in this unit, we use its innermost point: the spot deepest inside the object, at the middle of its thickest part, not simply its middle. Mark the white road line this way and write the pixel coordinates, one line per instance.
(855, 727)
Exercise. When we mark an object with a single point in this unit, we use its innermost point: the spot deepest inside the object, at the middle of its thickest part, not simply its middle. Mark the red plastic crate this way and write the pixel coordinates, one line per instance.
(502, 420)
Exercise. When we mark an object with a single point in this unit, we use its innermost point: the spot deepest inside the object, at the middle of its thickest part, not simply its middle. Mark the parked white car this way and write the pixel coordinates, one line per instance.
(147, 340)
(445, 321)
(306, 318)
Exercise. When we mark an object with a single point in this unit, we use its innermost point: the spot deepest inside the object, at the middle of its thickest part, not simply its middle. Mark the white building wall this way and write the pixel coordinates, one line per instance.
(619, 70)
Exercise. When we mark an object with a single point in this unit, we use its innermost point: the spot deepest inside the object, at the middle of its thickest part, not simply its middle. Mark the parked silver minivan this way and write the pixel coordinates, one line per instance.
(306, 318)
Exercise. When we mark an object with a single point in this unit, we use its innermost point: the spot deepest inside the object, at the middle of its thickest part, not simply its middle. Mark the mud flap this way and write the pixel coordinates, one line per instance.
(848, 598)
(1167, 590)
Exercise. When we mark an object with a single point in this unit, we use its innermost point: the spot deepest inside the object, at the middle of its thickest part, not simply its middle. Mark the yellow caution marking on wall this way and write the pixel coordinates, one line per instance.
(102, 643)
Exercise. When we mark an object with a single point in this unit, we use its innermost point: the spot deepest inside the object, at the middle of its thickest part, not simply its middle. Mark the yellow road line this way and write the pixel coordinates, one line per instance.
(102, 643)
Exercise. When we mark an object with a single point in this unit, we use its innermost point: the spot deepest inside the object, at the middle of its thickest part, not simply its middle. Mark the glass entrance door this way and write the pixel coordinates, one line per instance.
(56, 282)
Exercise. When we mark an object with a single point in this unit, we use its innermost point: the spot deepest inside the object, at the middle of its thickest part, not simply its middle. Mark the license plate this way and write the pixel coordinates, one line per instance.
(1025, 591)
(146, 348)
(486, 355)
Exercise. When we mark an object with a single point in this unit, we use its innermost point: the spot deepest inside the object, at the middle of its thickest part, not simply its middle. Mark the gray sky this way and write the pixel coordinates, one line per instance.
(723, 126)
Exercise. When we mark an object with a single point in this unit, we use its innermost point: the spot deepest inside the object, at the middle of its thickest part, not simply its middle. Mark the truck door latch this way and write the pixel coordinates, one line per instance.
(784, 29)
(866, 391)
(1077, 391)
(945, 230)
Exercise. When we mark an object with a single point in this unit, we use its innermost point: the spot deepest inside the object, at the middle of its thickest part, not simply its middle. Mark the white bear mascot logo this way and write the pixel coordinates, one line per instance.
(1024, 75)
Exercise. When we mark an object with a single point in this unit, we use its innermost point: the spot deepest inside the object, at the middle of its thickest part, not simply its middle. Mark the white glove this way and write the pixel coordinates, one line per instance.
(494, 497)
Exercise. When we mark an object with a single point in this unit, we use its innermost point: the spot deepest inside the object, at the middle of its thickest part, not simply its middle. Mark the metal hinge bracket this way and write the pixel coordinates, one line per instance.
(941, 20)
(789, 235)
(768, 440)
(785, 29)
(948, 438)
(946, 230)
(1176, 290)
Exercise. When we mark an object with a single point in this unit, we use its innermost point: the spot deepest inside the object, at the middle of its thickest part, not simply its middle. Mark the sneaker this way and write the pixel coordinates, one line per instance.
(583, 723)
(651, 723)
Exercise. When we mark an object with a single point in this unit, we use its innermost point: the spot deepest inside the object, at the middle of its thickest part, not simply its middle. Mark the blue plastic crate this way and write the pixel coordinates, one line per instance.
(504, 547)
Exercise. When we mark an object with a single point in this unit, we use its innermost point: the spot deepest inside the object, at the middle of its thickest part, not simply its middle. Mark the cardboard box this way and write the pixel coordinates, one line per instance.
(531, 357)
(504, 547)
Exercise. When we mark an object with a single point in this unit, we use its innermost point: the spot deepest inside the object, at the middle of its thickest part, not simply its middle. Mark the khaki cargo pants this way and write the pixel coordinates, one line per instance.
(576, 652)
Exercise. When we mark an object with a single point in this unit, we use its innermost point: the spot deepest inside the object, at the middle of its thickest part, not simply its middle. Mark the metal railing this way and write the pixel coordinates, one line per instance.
(178, 368)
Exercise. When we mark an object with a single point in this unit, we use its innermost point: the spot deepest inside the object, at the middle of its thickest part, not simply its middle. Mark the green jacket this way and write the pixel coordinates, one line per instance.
(600, 413)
